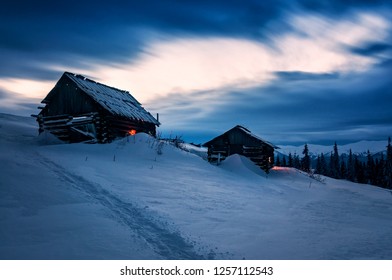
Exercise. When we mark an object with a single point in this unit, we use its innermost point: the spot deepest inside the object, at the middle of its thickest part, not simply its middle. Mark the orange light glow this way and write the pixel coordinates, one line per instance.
(281, 168)
(132, 132)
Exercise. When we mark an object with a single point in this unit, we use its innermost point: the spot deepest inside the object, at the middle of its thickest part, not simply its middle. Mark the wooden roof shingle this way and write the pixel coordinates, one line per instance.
(116, 101)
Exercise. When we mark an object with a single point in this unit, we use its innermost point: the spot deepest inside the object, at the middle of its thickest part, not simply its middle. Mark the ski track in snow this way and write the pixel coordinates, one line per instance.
(168, 244)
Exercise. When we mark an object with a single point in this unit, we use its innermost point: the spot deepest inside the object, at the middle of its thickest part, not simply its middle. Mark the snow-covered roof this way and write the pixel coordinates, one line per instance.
(245, 130)
(116, 101)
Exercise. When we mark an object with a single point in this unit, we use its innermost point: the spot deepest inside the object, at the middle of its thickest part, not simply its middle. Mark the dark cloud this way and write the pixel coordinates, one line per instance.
(338, 7)
(65, 25)
(351, 108)
(372, 48)
(3, 94)
(18, 105)
(25, 66)
(191, 16)
(66, 32)
(298, 75)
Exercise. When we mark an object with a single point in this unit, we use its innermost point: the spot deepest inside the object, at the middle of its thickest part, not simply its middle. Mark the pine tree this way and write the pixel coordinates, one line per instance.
(277, 163)
(370, 169)
(296, 161)
(388, 166)
(343, 169)
(380, 172)
(284, 163)
(324, 164)
(334, 164)
(359, 171)
(318, 165)
(305, 161)
(290, 163)
(350, 167)
(336, 160)
(330, 166)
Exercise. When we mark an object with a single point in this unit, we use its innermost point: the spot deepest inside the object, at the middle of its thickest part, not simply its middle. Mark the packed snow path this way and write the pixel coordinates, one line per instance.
(168, 244)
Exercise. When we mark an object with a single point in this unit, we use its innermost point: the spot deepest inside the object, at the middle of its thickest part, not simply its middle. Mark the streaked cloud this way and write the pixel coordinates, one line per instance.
(295, 107)
(27, 88)
(192, 64)
(214, 64)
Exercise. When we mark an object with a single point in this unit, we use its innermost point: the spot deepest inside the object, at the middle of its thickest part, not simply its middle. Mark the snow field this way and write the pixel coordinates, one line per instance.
(125, 201)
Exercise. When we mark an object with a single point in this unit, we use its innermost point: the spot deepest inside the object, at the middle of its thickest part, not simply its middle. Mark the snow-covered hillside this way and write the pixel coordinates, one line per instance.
(124, 200)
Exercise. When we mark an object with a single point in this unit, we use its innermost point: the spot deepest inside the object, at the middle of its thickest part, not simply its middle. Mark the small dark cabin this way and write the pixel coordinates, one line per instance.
(78, 109)
(240, 140)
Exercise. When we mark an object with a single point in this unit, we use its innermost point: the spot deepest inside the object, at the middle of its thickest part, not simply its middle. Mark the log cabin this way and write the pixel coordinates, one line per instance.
(79, 109)
(239, 140)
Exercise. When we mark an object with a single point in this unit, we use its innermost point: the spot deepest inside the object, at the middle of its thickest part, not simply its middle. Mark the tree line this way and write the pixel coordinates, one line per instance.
(375, 170)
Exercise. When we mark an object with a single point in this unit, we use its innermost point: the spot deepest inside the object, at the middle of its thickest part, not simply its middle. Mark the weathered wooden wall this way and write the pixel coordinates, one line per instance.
(67, 98)
(238, 142)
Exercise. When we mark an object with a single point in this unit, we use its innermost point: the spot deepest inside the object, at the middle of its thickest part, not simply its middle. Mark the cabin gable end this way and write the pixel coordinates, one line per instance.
(240, 140)
(78, 109)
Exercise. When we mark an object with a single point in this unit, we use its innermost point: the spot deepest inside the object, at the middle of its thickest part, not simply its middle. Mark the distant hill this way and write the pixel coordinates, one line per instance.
(359, 148)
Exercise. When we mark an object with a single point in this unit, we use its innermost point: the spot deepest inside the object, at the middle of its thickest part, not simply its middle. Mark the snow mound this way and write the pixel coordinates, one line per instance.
(47, 138)
(242, 166)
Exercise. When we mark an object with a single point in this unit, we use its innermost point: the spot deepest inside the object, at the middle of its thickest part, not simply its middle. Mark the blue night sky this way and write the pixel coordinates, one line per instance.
(290, 71)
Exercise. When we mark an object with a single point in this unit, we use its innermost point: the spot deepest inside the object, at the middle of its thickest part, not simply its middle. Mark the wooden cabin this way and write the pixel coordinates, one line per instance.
(79, 109)
(239, 140)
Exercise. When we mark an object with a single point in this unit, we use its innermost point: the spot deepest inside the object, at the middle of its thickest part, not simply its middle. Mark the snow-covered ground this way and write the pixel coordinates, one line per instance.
(124, 200)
